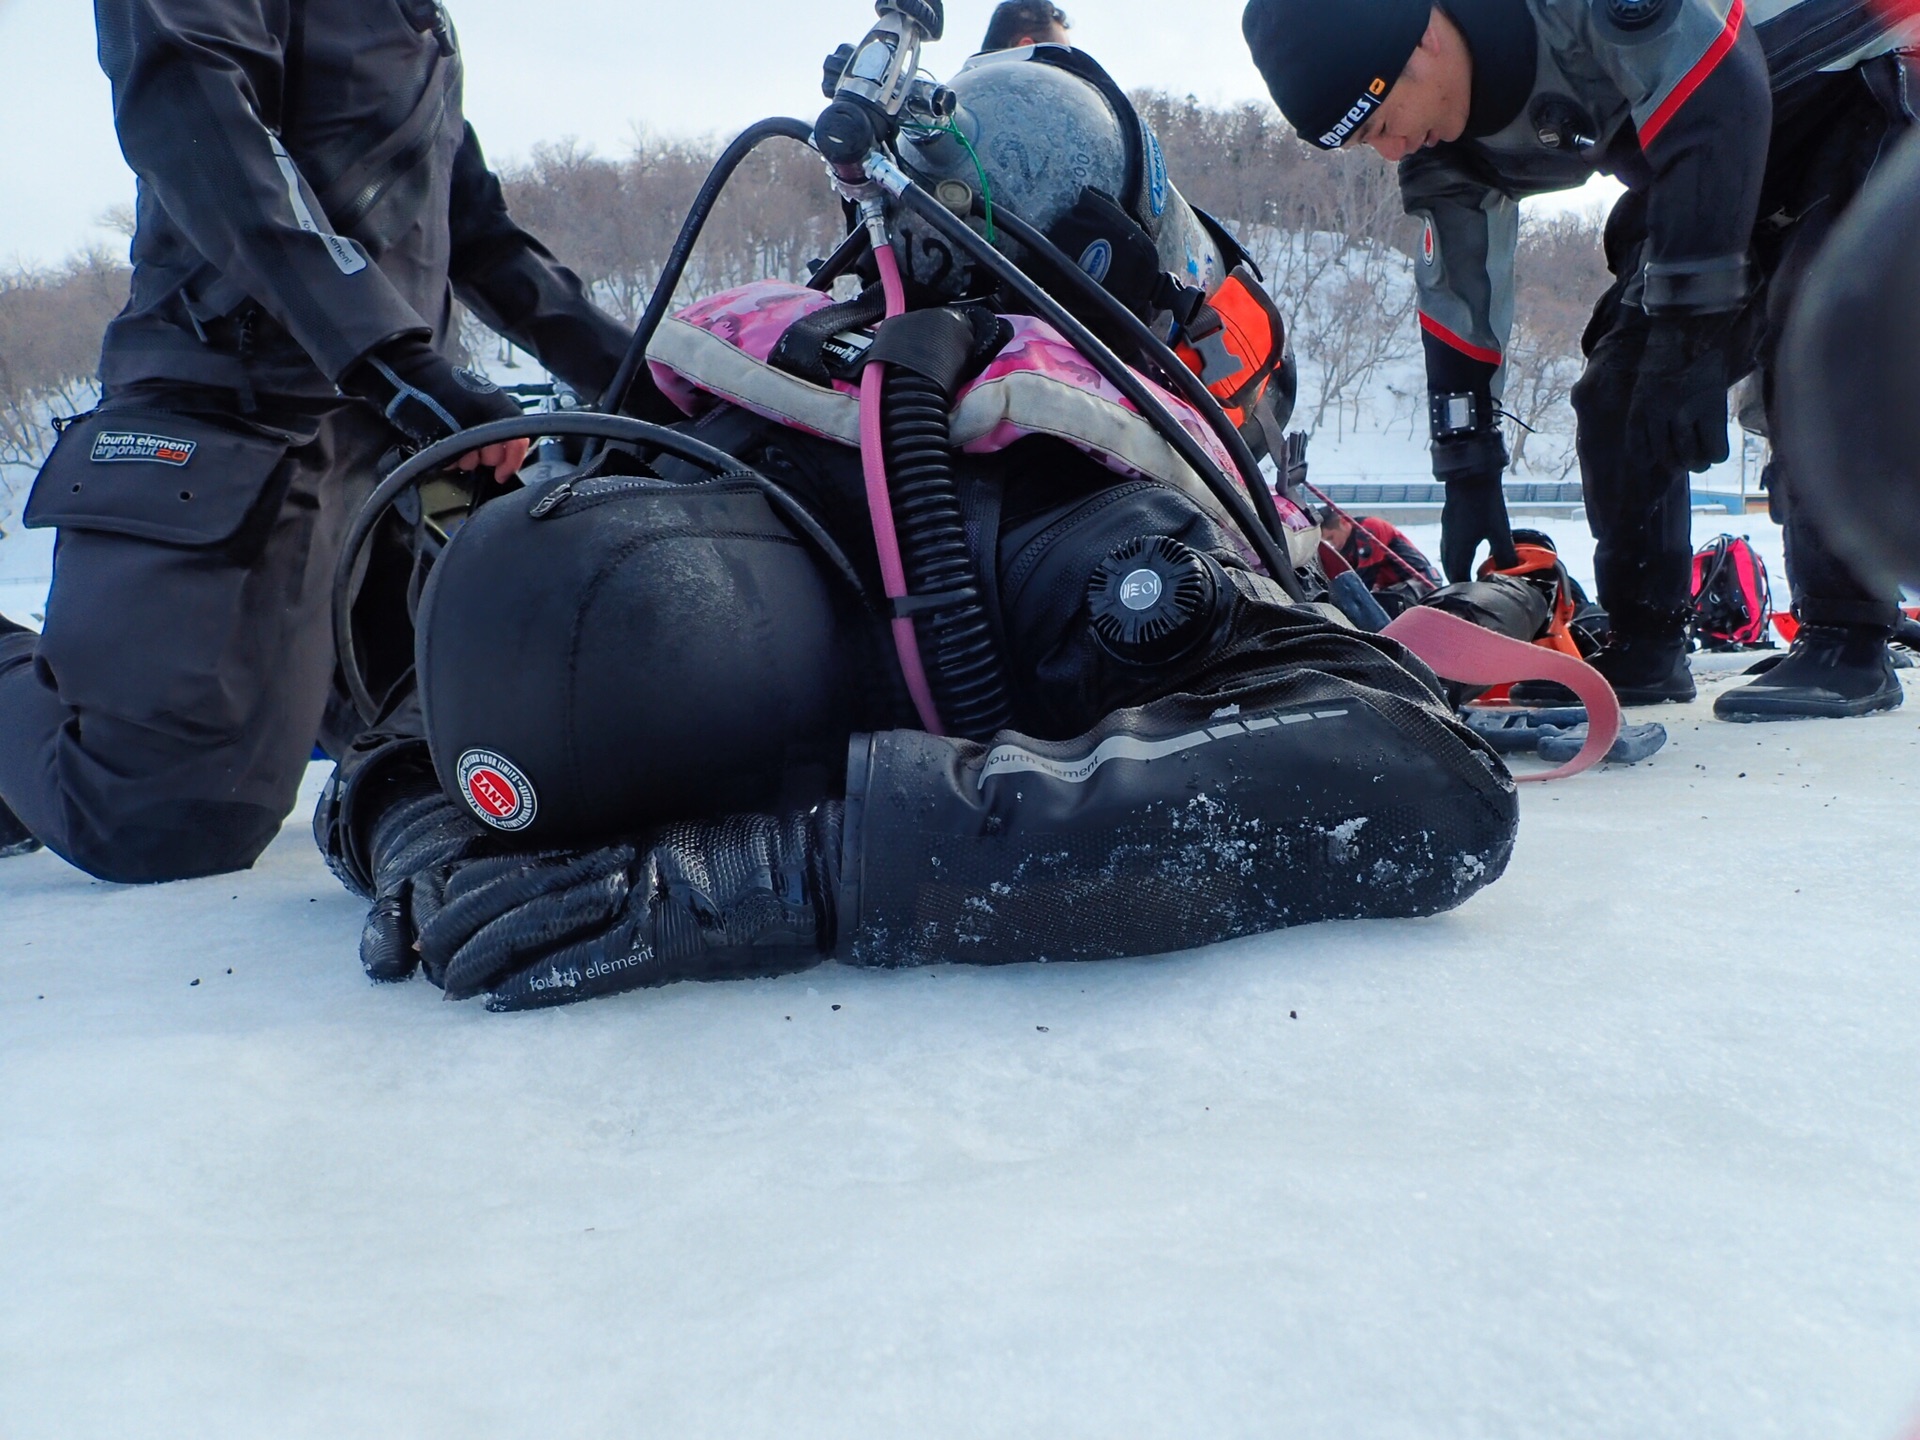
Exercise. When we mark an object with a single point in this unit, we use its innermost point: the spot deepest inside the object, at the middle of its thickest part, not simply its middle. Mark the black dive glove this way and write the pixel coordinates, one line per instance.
(1471, 467)
(710, 900)
(423, 396)
(1677, 417)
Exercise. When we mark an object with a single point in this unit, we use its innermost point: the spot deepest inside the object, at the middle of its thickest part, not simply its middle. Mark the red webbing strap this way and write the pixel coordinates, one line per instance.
(1455, 649)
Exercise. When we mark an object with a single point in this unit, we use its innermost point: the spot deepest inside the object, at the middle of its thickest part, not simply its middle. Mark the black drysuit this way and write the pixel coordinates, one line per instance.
(689, 736)
(308, 193)
(1742, 130)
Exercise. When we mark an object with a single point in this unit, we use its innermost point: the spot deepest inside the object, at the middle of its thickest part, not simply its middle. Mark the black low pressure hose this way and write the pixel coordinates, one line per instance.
(584, 423)
(844, 257)
(1191, 387)
(964, 665)
(748, 140)
(1239, 505)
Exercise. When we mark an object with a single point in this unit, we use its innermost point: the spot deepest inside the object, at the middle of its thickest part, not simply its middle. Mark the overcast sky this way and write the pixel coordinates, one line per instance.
(546, 69)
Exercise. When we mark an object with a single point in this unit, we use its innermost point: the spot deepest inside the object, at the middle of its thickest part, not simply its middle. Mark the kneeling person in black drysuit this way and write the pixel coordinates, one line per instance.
(669, 741)
(310, 204)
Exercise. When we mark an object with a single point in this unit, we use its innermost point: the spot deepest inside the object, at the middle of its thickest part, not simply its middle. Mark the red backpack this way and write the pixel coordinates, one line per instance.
(1731, 598)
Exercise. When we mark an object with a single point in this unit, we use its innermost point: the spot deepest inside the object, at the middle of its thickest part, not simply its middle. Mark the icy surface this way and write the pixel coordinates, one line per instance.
(1627, 1146)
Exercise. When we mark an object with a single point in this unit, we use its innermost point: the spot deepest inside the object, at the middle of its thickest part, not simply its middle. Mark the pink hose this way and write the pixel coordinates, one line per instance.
(886, 540)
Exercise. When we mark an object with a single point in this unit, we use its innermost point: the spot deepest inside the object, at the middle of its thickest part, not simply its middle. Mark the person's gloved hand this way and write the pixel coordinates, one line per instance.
(426, 399)
(417, 839)
(1677, 418)
(702, 900)
(1471, 467)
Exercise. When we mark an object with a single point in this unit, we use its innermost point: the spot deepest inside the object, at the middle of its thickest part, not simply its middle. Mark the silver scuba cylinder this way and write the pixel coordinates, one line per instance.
(1036, 136)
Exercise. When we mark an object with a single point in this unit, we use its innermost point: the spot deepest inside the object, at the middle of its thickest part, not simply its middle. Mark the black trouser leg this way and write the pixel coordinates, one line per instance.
(1827, 589)
(160, 726)
(1641, 518)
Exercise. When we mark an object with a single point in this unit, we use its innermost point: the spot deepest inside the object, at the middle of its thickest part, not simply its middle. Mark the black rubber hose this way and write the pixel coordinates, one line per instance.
(844, 257)
(744, 145)
(574, 422)
(1237, 504)
(1191, 387)
(964, 666)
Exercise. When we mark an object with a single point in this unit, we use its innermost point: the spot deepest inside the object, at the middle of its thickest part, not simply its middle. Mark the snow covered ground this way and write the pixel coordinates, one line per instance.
(1629, 1146)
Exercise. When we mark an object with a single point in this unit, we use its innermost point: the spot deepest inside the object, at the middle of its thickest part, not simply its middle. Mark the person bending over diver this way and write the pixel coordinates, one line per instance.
(668, 734)
(1742, 130)
(1025, 22)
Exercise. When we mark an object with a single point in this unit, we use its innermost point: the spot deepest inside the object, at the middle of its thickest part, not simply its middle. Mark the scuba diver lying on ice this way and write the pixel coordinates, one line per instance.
(912, 643)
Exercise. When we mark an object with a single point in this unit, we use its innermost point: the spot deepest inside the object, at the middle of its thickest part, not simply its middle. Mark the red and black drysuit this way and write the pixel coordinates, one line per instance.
(1388, 563)
(1742, 129)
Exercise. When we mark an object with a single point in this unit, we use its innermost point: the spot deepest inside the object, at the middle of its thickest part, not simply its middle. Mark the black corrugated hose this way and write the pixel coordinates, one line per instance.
(964, 668)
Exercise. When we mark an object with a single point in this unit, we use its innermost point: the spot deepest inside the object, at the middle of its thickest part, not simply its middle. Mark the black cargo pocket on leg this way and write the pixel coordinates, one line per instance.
(158, 475)
(163, 519)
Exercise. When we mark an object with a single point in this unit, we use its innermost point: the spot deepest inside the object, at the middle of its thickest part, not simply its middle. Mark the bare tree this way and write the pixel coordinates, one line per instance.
(1559, 272)
(50, 327)
(1327, 231)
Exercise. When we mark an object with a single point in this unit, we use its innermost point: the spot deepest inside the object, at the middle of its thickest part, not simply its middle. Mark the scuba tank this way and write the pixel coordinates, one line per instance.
(1046, 132)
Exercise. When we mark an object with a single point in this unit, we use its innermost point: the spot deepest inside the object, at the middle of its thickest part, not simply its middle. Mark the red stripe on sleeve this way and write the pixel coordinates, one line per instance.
(1466, 347)
(1695, 77)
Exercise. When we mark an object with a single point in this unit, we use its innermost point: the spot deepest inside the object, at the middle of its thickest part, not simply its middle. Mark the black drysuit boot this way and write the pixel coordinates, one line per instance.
(1832, 672)
(1645, 666)
(14, 839)
(1645, 660)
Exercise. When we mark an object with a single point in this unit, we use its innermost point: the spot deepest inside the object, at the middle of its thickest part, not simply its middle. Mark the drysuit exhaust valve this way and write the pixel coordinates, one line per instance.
(1153, 600)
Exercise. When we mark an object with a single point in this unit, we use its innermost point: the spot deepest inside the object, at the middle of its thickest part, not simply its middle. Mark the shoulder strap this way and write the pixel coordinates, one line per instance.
(1132, 132)
(802, 350)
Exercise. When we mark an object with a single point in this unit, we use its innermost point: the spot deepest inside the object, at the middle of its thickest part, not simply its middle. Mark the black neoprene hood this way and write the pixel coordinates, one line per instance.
(1329, 63)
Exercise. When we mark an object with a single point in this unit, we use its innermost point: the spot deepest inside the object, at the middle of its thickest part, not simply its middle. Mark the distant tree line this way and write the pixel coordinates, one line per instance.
(1327, 231)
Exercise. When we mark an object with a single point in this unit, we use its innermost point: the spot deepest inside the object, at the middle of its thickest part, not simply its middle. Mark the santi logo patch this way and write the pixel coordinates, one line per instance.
(496, 790)
(1426, 244)
(116, 447)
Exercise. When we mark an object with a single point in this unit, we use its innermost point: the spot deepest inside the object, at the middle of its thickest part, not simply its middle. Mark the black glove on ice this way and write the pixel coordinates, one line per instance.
(424, 397)
(416, 838)
(1476, 509)
(1677, 417)
(707, 900)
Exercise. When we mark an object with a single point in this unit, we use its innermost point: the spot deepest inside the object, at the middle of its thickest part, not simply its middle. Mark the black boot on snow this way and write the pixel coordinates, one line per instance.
(1832, 672)
(1643, 668)
(14, 839)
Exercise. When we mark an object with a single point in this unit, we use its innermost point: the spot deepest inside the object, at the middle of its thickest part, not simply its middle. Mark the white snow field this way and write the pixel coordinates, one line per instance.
(1628, 1146)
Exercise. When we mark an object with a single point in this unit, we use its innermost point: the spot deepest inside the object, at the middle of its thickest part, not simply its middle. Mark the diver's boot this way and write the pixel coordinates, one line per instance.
(1832, 672)
(1646, 671)
(1645, 660)
(15, 839)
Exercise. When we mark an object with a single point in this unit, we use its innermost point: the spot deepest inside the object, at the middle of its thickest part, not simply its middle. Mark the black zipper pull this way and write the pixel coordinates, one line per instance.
(551, 501)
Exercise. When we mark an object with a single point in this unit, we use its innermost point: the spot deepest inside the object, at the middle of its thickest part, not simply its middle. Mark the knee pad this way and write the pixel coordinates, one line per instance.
(638, 652)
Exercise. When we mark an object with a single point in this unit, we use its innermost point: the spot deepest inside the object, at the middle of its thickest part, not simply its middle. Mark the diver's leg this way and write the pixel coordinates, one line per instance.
(1640, 517)
(1335, 788)
(1839, 664)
